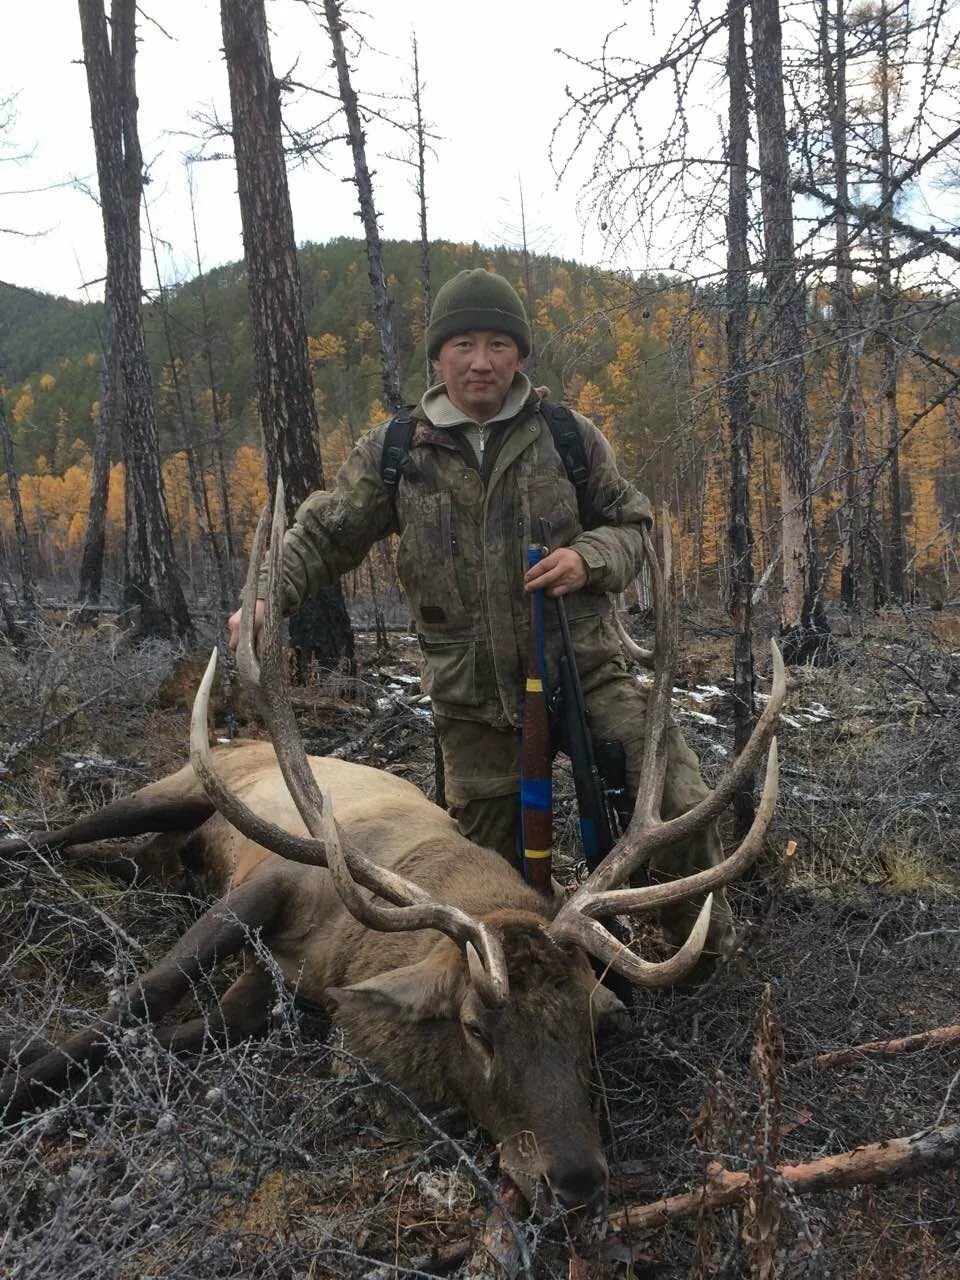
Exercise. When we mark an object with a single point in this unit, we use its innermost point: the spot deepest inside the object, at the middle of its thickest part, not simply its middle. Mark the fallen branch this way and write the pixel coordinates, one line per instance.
(931, 1148)
(888, 1048)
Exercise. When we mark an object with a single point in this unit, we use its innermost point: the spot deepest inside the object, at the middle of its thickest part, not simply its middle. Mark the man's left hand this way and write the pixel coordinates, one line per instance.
(558, 573)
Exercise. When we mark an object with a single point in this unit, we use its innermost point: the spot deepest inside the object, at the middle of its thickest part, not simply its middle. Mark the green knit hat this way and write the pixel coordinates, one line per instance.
(477, 299)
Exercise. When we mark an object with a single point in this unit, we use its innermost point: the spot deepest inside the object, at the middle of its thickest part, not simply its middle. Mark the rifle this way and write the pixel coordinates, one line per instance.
(536, 785)
(597, 833)
(596, 807)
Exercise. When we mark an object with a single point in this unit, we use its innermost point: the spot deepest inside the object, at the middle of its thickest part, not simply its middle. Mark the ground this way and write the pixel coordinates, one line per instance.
(285, 1158)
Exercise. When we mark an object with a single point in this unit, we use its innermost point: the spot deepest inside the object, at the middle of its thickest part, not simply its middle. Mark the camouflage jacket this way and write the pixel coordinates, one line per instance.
(463, 533)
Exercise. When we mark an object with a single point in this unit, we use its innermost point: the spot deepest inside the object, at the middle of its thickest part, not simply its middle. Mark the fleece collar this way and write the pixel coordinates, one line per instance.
(440, 411)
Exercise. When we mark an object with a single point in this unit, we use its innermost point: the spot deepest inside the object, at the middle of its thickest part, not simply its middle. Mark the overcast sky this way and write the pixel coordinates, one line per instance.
(494, 92)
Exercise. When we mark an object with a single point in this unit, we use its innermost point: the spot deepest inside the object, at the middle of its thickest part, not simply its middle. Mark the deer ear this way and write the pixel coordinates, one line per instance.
(428, 989)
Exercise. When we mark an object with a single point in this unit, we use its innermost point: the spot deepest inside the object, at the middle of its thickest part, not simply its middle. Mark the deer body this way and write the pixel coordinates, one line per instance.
(445, 970)
(399, 996)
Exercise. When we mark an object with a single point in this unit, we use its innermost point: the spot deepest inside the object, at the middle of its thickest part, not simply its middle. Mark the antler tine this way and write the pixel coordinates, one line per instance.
(647, 834)
(646, 810)
(296, 848)
(650, 896)
(247, 664)
(489, 972)
(413, 907)
(643, 657)
(600, 942)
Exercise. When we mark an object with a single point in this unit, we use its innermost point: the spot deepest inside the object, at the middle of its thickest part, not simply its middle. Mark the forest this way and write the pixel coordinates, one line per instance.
(764, 324)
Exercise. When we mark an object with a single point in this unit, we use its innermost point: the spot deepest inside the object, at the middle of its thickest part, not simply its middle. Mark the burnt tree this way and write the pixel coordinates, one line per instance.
(153, 596)
(803, 623)
(421, 188)
(739, 413)
(288, 416)
(389, 358)
(833, 57)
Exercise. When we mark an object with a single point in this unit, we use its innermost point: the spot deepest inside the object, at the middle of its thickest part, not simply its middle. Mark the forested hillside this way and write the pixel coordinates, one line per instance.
(643, 357)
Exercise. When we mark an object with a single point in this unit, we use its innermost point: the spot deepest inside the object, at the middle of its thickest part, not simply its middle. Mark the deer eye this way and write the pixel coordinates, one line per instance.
(478, 1033)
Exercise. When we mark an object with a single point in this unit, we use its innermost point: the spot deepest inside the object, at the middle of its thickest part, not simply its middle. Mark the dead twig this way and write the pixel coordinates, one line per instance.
(888, 1048)
(875, 1162)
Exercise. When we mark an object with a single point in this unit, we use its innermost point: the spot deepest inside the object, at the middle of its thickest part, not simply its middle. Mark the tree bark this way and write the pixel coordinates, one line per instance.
(94, 542)
(834, 64)
(938, 1037)
(288, 414)
(738, 406)
(803, 624)
(425, 279)
(152, 592)
(223, 492)
(186, 414)
(876, 1162)
(389, 358)
(890, 375)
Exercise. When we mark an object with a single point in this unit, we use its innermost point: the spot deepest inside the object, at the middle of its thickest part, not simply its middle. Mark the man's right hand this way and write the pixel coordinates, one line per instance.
(233, 625)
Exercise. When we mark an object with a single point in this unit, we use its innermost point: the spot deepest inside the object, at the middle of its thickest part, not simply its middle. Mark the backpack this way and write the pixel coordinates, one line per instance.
(567, 441)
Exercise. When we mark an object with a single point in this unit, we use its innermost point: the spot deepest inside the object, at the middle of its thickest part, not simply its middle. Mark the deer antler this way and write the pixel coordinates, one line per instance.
(413, 907)
(577, 921)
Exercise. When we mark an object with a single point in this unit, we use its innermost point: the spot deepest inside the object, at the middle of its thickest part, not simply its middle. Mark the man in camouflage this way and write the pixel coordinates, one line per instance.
(481, 473)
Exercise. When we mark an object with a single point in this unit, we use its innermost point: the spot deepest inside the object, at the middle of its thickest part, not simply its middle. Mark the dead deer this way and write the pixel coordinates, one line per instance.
(447, 973)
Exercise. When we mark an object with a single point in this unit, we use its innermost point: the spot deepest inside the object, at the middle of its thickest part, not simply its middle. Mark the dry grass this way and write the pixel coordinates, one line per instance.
(283, 1157)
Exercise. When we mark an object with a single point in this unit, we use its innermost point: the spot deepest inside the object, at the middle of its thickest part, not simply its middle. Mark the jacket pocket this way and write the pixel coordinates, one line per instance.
(552, 499)
(450, 670)
(426, 557)
(595, 640)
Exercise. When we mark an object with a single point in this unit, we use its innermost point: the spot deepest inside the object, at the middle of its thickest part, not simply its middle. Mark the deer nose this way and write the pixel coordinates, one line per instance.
(579, 1183)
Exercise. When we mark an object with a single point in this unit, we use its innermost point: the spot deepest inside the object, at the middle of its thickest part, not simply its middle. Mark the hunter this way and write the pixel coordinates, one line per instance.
(466, 498)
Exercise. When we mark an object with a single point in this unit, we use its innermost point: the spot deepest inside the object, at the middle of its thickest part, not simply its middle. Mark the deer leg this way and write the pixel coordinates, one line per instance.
(241, 1012)
(177, 803)
(21, 1052)
(220, 932)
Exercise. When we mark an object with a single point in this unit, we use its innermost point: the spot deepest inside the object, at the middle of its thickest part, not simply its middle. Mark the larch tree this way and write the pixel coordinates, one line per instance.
(421, 190)
(288, 416)
(803, 624)
(739, 411)
(382, 311)
(888, 92)
(220, 466)
(833, 62)
(153, 596)
(28, 586)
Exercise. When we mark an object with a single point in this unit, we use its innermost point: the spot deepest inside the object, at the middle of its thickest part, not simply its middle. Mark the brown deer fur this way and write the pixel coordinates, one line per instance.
(405, 1000)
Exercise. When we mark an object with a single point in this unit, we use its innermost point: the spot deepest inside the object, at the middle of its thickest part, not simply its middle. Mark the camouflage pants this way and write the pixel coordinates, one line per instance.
(482, 773)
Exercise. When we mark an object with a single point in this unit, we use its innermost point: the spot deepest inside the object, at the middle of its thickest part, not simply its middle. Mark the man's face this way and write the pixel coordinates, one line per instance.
(478, 368)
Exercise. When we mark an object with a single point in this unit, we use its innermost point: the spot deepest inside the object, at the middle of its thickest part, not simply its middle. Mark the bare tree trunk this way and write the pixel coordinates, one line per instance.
(28, 587)
(94, 542)
(288, 412)
(531, 361)
(389, 358)
(835, 84)
(152, 591)
(422, 201)
(223, 492)
(738, 405)
(890, 375)
(210, 548)
(802, 621)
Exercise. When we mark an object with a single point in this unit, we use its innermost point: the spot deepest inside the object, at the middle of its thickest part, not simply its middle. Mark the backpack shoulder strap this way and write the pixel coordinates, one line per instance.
(568, 443)
(396, 448)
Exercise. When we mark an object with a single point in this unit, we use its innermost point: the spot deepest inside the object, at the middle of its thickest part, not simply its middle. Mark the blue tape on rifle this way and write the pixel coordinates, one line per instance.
(535, 793)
